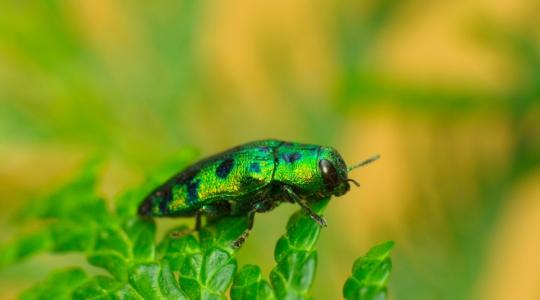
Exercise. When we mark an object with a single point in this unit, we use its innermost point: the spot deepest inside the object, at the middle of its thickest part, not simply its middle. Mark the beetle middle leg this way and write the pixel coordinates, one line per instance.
(313, 215)
(180, 233)
(198, 221)
(209, 211)
(242, 238)
(259, 207)
(215, 211)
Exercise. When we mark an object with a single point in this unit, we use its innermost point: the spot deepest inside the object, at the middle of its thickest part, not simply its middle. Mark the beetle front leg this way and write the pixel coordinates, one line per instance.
(313, 215)
(198, 221)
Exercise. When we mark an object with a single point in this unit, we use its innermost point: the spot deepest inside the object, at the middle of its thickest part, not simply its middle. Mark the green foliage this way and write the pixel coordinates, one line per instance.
(177, 267)
(248, 284)
(58, 285)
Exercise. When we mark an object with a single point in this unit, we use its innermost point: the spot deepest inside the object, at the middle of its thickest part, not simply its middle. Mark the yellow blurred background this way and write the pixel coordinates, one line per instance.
(448, 92)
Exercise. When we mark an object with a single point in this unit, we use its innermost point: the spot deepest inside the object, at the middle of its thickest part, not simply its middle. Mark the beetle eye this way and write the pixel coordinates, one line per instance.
(329, 174)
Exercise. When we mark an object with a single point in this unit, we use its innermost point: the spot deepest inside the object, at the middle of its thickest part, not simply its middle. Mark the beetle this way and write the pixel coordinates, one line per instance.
(252, 178)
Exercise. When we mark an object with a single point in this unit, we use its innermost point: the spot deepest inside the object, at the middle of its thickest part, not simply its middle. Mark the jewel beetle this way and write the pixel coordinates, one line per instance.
(252, 178)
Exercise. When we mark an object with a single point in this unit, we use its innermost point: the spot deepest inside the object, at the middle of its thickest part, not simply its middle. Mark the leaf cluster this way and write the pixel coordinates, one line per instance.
(138, 267)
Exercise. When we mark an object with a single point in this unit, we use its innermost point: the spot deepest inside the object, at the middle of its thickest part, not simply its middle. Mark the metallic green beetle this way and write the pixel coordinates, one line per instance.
(250, 178)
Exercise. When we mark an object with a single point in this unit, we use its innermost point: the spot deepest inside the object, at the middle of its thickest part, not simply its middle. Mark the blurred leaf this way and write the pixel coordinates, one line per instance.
(58, 285)
(359, 27)
(76, 200)
(76, 214)
(370, 274)
(24, 247)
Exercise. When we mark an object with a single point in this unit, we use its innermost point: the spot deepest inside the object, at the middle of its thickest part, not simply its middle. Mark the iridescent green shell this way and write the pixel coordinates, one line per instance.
(238, 179)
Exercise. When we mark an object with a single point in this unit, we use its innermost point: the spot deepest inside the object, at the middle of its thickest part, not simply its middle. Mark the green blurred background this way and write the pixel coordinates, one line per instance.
(448, 92)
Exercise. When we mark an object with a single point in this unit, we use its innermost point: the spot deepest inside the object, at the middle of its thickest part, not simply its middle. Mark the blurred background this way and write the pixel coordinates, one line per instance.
(448, 92)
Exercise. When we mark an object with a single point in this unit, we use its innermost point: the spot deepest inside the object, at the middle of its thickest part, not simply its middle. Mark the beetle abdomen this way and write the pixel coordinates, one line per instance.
(226, 176)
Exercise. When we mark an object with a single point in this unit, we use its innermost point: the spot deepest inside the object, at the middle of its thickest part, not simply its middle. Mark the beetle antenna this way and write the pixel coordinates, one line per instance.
(353, 181)
(365, 162)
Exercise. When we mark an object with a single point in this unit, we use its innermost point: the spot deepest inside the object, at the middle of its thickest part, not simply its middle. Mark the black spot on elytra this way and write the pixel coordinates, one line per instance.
(161, 197)
(291, 157)
(186, 176)
(225, 168)
(192, 187)
(165, 198)
(255, 167)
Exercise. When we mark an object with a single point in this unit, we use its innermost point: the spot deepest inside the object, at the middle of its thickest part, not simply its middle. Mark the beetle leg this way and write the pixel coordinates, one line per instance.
(180, 233)
(313, 215)
(242, 238)
(215, 211)
(265, 206)
(198, 221)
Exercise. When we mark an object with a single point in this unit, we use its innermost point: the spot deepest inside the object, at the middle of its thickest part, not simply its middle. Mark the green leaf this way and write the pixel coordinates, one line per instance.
(141, 238)
(179, 267)
(102, 287)
(118, 247)
(223, 233)
(24, 247)
(58, 285)
(72, 236)
(98, 287)
(175, 250)
(155, 281)
(296, 256)
(248, 284)
(209, 275)
(370, 274)
(128, 253)
(207, 272)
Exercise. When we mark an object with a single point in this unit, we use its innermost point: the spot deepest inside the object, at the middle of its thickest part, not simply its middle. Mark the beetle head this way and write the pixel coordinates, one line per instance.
(333, 172)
